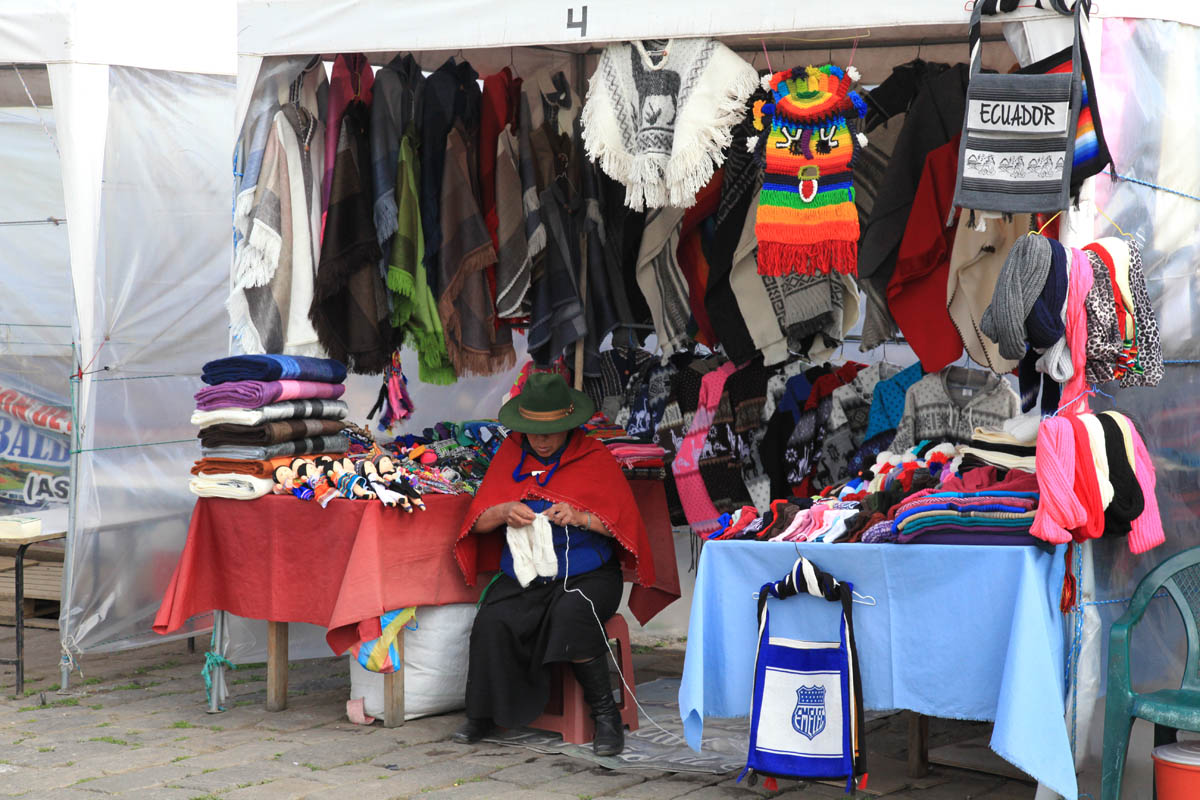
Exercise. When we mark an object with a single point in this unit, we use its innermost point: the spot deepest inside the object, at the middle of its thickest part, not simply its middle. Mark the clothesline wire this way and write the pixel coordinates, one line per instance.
(55, 221)
(1151, 185)
(36, 110)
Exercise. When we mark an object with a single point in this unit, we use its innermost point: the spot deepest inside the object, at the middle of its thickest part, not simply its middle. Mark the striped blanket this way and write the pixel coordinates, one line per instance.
(255, 394)
(288, 409)
(273, 367)
(335, 444)
(268, 433)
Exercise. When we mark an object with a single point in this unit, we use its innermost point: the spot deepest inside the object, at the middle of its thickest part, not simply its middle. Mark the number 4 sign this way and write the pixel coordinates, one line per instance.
(581, 23)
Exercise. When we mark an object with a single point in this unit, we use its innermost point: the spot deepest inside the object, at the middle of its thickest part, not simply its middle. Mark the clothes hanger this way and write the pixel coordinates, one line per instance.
(1113, 222)
(1046, 224)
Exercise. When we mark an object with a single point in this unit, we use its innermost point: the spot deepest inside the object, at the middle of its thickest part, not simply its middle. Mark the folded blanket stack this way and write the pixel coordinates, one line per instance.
(259, 411)
(638, 460)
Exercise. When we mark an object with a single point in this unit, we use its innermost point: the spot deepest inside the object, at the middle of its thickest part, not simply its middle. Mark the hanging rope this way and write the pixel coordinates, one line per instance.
(212, 661)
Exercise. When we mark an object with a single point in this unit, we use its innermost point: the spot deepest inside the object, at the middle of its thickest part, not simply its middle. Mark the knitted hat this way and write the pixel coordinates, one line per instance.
(806, 220)
(546, 405)
(1017, 289)
(1128, 503)
(1044, 323)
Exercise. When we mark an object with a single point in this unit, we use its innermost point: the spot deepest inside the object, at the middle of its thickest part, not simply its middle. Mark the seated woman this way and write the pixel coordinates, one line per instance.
(558, 518)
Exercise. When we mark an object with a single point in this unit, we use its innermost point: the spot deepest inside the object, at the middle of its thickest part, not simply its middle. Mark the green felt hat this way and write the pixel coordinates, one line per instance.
(546, 405)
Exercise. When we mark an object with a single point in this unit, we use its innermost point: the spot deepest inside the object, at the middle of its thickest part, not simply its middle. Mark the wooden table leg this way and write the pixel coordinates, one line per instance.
(393, 690)
(918, 744)
(277, 665)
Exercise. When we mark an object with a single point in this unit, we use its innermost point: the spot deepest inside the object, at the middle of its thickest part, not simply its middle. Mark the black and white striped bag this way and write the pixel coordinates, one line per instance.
(1018, 138)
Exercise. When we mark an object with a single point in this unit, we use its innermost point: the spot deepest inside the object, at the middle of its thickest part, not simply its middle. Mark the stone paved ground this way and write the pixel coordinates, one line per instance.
(136, 726)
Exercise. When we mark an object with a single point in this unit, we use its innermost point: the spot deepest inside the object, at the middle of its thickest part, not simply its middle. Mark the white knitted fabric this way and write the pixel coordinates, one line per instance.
(532, 549)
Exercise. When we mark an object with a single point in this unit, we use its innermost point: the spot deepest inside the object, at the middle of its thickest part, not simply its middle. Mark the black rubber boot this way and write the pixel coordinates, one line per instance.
(472, 731)
(610, 731)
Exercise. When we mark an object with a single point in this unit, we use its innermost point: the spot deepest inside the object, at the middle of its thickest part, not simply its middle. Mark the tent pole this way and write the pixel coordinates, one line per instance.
(580, 66)
(64, 678)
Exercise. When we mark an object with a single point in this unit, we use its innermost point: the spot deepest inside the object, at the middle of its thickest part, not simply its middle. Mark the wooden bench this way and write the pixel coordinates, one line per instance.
(47, 584)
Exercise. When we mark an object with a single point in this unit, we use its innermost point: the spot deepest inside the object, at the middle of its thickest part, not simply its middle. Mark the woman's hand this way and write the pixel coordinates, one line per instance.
(563, 514)
(517, 514)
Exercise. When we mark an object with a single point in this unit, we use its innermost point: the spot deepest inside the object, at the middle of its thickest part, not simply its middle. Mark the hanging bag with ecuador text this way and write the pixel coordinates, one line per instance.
(807, 712)
(1019, 130)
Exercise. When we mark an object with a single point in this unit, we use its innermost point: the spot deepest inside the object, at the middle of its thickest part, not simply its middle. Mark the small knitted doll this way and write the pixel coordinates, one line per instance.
(807, 221)
(313, 476)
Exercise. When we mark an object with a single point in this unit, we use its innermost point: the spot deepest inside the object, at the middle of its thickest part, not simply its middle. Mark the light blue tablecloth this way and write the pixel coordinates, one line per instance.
(961, 632)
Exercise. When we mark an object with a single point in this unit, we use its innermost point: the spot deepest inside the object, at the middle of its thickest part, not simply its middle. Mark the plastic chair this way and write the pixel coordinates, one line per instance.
(1171, 710)
(568, 713)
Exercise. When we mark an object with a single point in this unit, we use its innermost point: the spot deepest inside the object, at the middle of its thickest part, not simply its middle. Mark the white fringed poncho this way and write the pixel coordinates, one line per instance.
(659, 126)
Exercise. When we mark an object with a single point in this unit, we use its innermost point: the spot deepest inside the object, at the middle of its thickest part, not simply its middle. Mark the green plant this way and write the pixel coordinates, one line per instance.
(65, 701)
(109, 739)
(183, 723)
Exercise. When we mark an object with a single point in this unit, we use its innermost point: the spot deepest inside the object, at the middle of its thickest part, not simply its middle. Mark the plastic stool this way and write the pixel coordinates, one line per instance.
(568, 713)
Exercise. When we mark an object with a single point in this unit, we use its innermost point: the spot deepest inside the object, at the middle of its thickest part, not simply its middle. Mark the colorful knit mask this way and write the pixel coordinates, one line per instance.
(807, 221)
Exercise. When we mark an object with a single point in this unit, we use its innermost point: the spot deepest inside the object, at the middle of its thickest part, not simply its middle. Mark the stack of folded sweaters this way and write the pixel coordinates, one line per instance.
(1014, 446)
(959, 512)
(258, 413)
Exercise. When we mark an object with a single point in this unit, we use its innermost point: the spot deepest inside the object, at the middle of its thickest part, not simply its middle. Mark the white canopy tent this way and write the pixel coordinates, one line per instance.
(140, 98)
(530, 35)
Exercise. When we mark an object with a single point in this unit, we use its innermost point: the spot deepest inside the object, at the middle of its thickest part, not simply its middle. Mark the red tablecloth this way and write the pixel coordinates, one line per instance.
(280, 559)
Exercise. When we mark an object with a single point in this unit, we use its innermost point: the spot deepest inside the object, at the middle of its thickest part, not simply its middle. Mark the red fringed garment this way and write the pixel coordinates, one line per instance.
(588, 478)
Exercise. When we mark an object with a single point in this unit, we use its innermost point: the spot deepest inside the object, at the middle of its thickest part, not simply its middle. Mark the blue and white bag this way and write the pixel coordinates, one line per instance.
(807, 718)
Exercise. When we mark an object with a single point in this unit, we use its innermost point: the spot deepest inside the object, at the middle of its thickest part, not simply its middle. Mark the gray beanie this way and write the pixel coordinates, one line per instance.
(1020, 282)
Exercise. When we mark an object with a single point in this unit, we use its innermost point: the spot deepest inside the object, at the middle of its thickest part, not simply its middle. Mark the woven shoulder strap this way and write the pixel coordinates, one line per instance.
(974, 36)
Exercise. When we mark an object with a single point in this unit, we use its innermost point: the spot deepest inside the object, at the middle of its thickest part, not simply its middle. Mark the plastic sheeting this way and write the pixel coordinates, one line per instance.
(35, 349)
(149, 314)
(1147, 69)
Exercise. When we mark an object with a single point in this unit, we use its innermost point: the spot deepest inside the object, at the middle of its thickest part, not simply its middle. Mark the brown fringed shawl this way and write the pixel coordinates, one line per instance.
(465, 303)
(349, 307)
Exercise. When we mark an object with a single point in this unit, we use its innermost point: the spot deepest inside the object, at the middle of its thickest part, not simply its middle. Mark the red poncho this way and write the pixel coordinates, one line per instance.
(588, 478)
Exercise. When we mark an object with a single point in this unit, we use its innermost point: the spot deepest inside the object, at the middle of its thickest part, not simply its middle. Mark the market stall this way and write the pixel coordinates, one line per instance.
(812, 172)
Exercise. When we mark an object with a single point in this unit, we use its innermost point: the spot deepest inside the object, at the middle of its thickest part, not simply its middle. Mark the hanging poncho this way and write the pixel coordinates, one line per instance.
(658, 122)
(807, 221)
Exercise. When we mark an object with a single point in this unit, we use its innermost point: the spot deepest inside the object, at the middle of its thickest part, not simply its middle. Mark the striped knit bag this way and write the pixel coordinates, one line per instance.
(1019, 133)
(807, 222)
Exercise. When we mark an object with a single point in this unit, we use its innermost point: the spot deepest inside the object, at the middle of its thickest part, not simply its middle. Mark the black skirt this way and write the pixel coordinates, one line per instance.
(519, 632)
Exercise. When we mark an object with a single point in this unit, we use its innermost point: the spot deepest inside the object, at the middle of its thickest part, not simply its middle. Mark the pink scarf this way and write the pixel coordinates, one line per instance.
(1059, 510)
(1080, 284)
(701, 514)
(1147, 532)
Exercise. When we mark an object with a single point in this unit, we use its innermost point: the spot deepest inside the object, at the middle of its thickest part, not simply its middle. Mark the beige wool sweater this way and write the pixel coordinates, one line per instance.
(975, 265)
